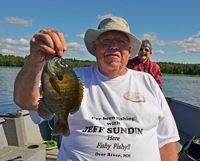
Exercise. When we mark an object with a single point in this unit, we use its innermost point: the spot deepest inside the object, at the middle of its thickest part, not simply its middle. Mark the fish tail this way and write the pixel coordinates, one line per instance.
(61, 128)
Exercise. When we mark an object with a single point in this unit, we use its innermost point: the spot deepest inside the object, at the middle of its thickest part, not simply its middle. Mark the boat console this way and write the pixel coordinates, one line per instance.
(21, 139)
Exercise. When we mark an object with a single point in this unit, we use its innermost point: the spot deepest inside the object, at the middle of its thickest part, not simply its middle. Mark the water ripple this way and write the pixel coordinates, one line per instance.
(184, 89)
(7, 79)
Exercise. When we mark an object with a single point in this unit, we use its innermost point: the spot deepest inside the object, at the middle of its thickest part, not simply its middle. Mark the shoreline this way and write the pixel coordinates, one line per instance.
(166, 74)
(185, 75)
(9, 67)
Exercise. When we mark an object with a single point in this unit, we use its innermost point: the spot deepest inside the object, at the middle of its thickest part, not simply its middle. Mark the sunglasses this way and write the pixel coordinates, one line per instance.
(141, 49)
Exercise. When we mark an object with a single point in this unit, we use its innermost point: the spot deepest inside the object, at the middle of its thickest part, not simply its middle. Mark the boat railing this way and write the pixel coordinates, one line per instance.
(187, 117)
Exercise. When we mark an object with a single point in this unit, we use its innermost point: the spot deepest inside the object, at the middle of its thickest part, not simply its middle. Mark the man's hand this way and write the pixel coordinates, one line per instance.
(45, 44)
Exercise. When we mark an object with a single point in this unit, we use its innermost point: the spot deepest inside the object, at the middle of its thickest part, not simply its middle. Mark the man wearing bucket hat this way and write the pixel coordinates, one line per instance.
(123, 114)
(143, 63)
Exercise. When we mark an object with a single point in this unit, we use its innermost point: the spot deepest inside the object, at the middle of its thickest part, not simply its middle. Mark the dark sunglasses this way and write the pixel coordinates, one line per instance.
(144, 49)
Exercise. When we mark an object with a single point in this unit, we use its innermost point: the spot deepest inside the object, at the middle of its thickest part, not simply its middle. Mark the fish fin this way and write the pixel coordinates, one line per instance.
(80, 97)
(54, 84)
(61, 128)
(43, 111)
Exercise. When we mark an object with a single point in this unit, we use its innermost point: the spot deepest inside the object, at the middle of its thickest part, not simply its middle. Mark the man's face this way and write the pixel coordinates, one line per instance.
(144, 53)
(112, 51)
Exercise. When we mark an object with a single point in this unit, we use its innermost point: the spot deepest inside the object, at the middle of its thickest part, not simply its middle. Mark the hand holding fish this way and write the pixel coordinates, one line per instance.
(45, 44)
(62, 90)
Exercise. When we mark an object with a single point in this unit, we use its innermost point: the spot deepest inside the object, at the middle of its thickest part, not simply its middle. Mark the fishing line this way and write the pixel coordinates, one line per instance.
(50, 125)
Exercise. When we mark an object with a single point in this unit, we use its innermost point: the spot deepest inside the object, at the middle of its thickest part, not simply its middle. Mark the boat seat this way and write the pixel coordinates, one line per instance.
(184, 137)
(179, 146)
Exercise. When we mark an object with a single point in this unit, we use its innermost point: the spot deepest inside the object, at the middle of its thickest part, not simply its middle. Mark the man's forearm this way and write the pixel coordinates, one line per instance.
(26, 89)
(169, 152)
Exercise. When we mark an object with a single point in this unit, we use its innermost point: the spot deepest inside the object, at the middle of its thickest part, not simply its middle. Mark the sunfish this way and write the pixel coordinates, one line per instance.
(62, 93)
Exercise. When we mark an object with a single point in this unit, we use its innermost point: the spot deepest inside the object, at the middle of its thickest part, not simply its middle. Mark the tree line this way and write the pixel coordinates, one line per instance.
(18, 61)
(165, 67)
(12, 61)
(178, 68)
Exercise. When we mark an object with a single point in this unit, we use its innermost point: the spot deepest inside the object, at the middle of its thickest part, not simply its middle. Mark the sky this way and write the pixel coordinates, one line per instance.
(172, 26)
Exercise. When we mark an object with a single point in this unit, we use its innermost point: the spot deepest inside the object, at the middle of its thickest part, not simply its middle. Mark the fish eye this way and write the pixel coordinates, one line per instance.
(60, 77)
(62, 63)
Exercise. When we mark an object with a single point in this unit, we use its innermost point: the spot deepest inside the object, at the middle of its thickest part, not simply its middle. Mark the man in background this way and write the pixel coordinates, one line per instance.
(143, 63)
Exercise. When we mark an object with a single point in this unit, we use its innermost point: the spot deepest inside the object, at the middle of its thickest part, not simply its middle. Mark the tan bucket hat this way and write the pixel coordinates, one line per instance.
(112, 24)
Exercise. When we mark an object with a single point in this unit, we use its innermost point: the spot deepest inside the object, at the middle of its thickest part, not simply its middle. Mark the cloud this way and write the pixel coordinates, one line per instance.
(192, 43)
(153, 38)
(66, 35)
(22, 47)
(15, 51)
(75, 48)
(6, 51)
(158, 52)
(27, 37)
(3, 33)
(26, 49)
(16, 47)
(104, 16)
(189, 51)
(6, 46)
(80, 36)
(18, 21)
(15, 42)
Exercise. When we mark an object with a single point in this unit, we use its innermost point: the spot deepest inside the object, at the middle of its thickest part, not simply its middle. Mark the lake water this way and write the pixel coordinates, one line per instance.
(185, 89)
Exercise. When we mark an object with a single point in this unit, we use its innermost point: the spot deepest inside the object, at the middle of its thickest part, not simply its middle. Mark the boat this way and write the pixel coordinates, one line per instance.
(187, 118)
(22, 140)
